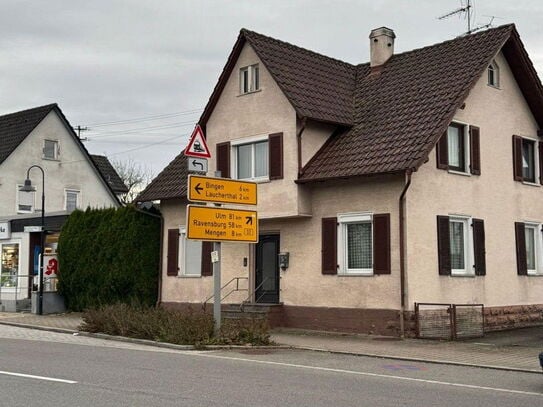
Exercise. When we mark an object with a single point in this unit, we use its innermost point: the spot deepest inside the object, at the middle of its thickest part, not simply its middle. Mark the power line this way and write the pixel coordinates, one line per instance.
(138, 129)
(145, 118)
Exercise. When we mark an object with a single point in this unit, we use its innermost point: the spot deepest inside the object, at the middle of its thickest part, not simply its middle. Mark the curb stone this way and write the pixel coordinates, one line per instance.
(142, 341)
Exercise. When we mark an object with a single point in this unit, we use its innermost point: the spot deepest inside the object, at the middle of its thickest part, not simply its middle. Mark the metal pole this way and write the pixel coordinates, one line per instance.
(42, 237)
(42, 244)
(217, 288)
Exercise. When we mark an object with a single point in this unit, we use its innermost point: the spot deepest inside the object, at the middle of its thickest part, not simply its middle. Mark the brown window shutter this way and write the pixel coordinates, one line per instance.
(329, 245)
(479, 247)
(442, 152)
(540, 144)
(207, 266)
(520, 238)
(173, 252)
(275, 151)
(381, 243)
(223, 159)
(475, 150)
(517, 158)
(444, 245)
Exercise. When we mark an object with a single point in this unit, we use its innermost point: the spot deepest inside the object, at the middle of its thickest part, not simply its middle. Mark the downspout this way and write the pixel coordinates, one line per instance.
(299, 143)
(402, 251)
(159, 296)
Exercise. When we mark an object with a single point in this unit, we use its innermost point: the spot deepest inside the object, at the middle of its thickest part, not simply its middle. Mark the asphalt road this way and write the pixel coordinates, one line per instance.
(80, 371)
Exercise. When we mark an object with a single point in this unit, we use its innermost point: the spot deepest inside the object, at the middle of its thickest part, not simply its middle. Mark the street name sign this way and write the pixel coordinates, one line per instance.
(197, 164)
(197, 146)
(216, 224)
(221, 190)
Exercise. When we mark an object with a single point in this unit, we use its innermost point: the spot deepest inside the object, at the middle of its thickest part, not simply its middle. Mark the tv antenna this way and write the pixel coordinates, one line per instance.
(464, 10)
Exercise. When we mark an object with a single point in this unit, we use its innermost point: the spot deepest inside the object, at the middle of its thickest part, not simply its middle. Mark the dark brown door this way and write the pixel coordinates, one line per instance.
(267, 270)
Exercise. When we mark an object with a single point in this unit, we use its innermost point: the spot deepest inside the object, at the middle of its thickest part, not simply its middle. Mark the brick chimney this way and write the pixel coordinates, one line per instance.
(381, 45)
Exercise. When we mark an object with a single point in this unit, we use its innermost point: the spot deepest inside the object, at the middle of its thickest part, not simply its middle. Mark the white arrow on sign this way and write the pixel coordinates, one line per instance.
(197, 164)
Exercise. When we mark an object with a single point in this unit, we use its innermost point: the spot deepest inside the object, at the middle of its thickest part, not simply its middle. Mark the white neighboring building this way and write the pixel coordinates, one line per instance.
(42, 136)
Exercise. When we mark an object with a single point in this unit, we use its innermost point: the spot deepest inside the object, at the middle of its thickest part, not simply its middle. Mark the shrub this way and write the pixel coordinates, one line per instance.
(108, 256)
(182, 328)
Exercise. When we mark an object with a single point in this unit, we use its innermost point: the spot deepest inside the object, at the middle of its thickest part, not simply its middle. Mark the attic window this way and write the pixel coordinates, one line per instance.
(493, 75)
(249, 79)
(50, 150)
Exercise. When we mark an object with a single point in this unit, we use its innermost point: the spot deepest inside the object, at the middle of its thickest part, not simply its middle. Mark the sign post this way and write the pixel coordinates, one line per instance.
(214, 223)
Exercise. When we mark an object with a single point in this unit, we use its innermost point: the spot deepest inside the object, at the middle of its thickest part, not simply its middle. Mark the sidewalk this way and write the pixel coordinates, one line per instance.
(514, 350)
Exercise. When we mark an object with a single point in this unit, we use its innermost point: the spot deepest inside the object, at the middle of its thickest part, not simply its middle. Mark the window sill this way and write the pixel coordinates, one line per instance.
(536, 274)
(531, 184)
(250, 93)
(255, 180)
(51, 159)
(494, 86)
(463, 275)
(355, 275)
(465, 174)
(188, 276)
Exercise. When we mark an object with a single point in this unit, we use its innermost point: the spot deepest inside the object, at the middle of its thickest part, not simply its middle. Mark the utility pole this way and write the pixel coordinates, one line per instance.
(79, 129)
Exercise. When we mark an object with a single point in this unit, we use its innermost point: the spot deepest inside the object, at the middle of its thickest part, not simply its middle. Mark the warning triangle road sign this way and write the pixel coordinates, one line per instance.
(197, 146)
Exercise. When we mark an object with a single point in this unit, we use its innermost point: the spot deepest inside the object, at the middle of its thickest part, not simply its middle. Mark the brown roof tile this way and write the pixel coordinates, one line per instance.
(109, 173)
(170, 183)
(14, 127)
(401, 111)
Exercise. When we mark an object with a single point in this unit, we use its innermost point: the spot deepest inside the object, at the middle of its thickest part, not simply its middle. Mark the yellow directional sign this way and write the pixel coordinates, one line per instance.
(221, 224)
(221, 190)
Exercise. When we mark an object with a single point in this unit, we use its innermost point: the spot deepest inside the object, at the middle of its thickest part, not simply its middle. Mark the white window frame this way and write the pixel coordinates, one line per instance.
(78, 202)
(234, 144)
(469, 259)
(496, 74)
(252, 78)
(538, 248)
(467, 152)
(183, 259)
(56, 150)
(19, 186)
(536, 161)
(16, 288)
(342, 250)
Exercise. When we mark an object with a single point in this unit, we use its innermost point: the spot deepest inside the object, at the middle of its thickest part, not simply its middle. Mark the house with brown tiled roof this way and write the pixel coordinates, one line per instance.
(410, 180)
(42, 137)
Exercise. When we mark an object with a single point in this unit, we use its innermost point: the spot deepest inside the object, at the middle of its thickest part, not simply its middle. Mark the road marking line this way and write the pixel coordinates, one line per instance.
(354, 372)
(30, 376)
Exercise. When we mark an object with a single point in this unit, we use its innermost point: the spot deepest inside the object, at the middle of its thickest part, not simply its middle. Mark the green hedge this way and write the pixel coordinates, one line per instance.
(107, 256)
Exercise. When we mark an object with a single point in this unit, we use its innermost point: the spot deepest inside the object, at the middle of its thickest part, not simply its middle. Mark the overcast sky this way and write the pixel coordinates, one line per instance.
(138, 73)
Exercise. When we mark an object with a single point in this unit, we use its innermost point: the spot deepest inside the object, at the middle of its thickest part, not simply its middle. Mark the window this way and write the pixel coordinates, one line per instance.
(71, 199)
(355, 244)
(526, 159)
(25, 200)
(249, 80)
(190, 256)
(251, 160)
(458, 149)
(493, 72)
(461, 246)
(9, 265)
(529, 242)
(51, 150)
(259, 158)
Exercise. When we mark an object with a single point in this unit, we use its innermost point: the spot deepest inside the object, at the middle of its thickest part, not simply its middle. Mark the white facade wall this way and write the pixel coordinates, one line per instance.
(71, 171)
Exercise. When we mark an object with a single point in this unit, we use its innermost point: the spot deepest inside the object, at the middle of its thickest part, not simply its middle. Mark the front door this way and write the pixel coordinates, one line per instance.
(267, 270)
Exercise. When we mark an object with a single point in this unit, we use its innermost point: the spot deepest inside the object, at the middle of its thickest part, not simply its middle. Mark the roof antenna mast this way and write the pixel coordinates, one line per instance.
(465, 10)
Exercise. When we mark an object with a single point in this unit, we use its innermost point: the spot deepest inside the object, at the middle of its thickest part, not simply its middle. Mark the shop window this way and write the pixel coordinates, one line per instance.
(9, 272)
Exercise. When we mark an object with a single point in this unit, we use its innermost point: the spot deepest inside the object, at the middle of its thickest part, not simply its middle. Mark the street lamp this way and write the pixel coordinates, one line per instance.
(29, 188)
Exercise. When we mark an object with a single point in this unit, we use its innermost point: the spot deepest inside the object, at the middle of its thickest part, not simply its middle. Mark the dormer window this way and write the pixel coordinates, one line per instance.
(493, 75)
(51, 149)
(249, 80)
